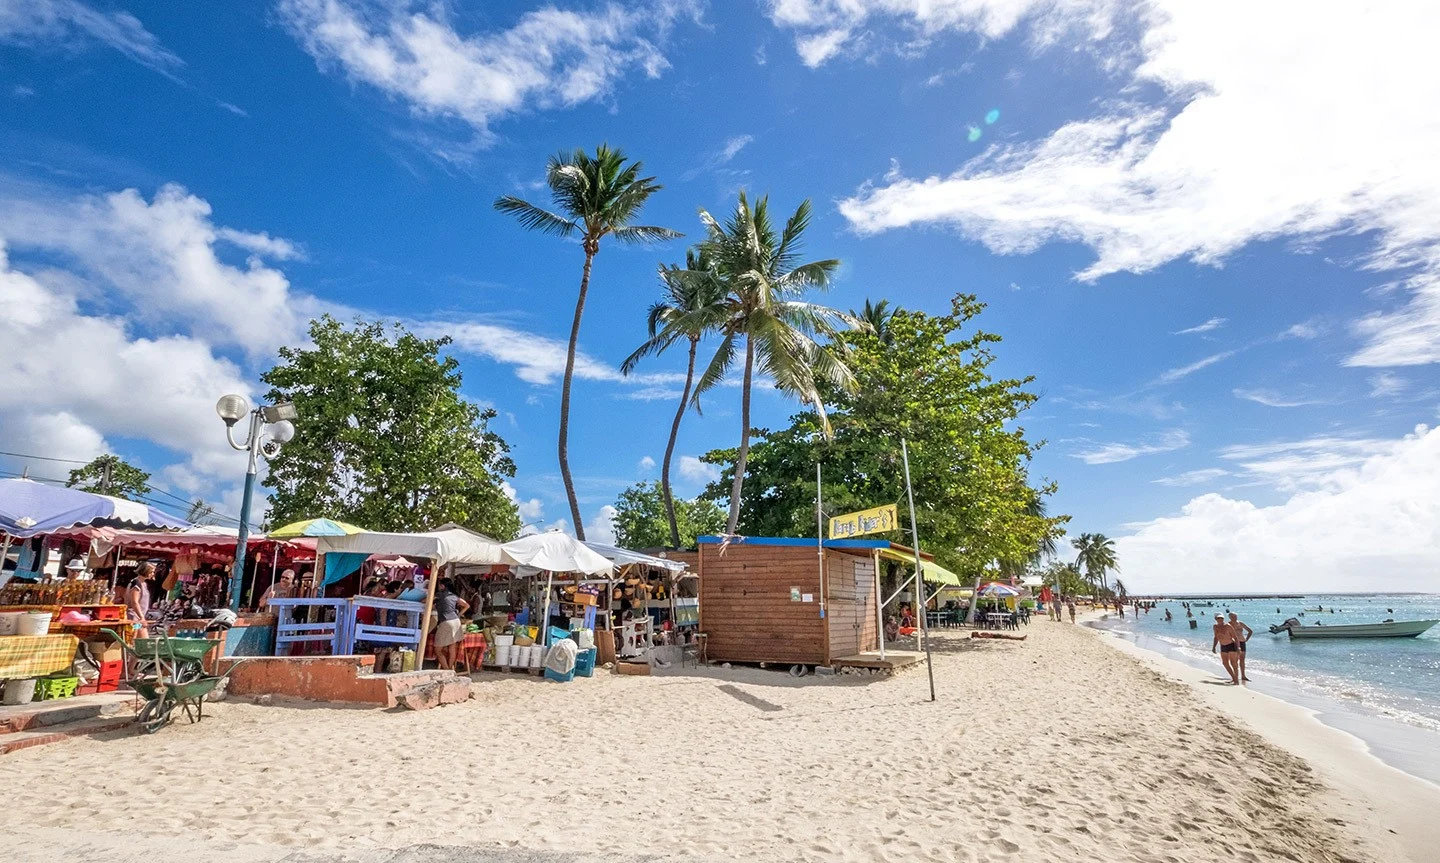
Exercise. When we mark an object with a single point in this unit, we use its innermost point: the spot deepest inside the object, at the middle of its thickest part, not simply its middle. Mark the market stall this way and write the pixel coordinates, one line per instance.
(40, 601)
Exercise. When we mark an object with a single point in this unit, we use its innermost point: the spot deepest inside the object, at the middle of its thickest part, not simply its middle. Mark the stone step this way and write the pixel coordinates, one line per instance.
(42, 714)
(18, 740)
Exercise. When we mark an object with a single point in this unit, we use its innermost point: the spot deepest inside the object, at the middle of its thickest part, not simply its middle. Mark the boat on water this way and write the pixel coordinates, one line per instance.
(1388, 629)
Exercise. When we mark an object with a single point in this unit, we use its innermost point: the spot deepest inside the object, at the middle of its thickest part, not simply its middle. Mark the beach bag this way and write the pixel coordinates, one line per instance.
(561, 656)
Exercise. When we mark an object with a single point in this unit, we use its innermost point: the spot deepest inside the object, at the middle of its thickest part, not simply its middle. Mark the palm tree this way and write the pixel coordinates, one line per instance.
(764, 281)
(1120, 590)
(876, 318)
(596, 196)
(1096, 556)
(694, 304)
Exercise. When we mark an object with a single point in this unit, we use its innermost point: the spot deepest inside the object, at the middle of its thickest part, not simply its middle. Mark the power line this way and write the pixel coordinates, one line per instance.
(43, 457)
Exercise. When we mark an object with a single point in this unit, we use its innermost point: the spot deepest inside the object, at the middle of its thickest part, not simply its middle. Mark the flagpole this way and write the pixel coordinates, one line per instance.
(820, 536)
(919, 576)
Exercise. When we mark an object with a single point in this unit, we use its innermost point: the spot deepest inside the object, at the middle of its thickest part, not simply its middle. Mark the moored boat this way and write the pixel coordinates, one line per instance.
(1388, 629)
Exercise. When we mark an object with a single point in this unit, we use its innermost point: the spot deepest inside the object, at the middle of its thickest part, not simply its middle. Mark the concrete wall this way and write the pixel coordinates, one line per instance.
(314, 678)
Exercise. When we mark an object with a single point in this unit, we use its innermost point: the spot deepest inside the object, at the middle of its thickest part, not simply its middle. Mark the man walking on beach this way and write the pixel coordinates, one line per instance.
(1229, 650)
(1242, 635)
(1070, 605)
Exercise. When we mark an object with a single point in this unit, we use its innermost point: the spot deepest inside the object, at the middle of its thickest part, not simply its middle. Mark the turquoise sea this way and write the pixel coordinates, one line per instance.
(1384, 690)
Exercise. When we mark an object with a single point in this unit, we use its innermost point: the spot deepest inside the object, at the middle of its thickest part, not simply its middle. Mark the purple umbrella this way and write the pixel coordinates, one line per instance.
(29, 508)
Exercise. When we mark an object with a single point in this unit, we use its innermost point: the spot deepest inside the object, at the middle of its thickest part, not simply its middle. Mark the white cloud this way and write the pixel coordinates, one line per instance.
(601, 528)
(531, 511)
(695, 470)
(166, 257)
(1376, 526)
(1109, 453)
(83, 377)
(71, 24)
(549, 58)
(1207, 326)
(816, 49)
(1192, 477)
(1387, 384)
(824, 27)
(1244, 145)
(1316, 462)
(728, 151)
(1185, 371)
(537, 359)
(1304, 330)
(1272, 399)
(733, 147)
(646, 464)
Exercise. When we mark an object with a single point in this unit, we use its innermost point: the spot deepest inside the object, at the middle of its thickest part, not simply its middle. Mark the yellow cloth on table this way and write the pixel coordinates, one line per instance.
(23, 656)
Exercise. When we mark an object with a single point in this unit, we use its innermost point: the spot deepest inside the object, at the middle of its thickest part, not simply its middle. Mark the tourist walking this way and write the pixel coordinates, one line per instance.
(450, 630)
(1242, 637)
(1070, 606)
(1229, 651)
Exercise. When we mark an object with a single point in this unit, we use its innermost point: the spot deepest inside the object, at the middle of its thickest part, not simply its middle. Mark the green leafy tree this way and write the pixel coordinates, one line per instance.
(765, 282)
(642, 521)
(1096, 556)
(594, 197)
(969, 457)
(1066, 578)
(385, 440)
(112, 475)
(693, 305)
(200, 512)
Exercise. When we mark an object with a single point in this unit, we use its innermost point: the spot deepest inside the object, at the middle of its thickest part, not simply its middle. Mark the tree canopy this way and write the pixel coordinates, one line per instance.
(112, 475)
(384, 437)
(926, 379)
(641, 522)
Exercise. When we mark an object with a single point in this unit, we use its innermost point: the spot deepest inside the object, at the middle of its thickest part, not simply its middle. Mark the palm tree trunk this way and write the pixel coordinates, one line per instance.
(738, 483)
(565, 398)
(670, 448)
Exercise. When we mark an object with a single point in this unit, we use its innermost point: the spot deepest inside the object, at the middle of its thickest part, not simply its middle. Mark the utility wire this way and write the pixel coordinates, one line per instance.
(143, 499)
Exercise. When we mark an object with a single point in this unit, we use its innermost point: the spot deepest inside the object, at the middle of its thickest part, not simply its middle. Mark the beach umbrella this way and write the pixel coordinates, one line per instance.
(29, 508)
(314, 527)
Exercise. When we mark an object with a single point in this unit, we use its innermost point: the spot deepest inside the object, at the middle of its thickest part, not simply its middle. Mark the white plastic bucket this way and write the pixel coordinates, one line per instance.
(537, 656)
(10, 622)
(502, 654)
(34, 623)
(504, 640)
(21, 691)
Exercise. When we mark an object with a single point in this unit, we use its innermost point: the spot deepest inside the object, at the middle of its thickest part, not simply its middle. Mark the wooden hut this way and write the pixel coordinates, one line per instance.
(762, 599)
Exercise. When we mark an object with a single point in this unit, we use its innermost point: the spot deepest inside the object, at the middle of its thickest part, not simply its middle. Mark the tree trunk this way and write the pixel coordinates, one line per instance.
(670, 447)
(565, 396)
(738, 483)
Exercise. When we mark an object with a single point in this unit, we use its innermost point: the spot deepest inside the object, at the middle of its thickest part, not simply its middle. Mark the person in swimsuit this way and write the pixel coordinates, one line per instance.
(1242, 635)
(1229, 650)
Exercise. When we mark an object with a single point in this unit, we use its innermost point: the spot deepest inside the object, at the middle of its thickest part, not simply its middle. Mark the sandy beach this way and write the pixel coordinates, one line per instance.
(1060, 748)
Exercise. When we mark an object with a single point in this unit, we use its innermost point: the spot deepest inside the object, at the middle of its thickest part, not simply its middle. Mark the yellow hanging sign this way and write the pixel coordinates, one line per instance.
(874, 520)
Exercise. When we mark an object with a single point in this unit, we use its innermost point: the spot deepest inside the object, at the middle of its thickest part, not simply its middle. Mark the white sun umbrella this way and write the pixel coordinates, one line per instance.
(556, 552)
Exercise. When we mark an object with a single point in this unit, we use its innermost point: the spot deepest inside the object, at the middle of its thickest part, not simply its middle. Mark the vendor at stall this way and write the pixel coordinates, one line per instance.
(137, 598)
(282, 589)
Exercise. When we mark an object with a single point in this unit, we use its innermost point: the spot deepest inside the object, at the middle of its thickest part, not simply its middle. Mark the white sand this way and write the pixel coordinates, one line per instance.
(1056, 749)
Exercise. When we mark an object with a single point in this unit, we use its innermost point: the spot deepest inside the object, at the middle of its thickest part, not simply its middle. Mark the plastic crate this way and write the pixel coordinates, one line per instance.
(551, 674)
(51, 688)
(585, 663)
(110, 672)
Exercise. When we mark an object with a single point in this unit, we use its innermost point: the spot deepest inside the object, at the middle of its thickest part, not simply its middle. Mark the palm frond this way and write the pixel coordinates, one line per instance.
(642, 234)
(716, 369)
(535, 218)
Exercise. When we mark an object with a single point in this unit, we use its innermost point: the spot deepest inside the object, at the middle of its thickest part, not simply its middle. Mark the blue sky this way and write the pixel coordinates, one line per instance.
(1215, 251)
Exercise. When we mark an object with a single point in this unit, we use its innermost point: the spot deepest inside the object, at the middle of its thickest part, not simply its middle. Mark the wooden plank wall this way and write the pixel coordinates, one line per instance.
(745, 605)
(851, 609)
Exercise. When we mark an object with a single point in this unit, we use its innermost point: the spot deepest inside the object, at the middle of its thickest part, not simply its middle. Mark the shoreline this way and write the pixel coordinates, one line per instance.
(1402, 803)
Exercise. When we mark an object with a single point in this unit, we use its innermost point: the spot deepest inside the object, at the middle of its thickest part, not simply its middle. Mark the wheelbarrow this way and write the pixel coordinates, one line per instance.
(170, 673)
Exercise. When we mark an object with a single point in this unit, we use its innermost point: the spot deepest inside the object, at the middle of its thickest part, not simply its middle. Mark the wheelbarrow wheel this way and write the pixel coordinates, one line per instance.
(156, 714)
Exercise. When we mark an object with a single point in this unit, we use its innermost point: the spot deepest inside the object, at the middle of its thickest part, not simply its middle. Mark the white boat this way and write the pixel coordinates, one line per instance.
(1388, 629)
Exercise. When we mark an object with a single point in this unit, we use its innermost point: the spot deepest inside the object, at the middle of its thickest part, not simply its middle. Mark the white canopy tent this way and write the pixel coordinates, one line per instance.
(625, 557)
(444, 546)
(557, 552)
(447, 546)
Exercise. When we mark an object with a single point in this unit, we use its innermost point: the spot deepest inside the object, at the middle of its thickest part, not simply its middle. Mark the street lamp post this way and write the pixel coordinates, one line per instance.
(270, 428)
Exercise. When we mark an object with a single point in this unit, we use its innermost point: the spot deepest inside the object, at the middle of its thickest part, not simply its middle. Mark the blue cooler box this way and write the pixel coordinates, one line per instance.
(551, 674)
(585, 663)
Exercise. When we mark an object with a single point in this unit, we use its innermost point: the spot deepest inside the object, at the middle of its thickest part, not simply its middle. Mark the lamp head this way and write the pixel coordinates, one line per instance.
(282, 432)
(232, 409)
(279, 412)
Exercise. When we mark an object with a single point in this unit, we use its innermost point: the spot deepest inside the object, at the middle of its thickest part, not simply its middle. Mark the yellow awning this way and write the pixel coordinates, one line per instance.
(933, 571)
